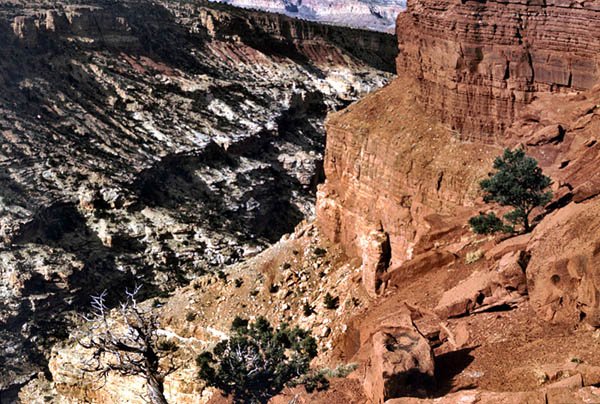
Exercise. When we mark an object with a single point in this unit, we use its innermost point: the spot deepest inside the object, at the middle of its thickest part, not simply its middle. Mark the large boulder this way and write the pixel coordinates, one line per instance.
(563, 275)
(400, 362)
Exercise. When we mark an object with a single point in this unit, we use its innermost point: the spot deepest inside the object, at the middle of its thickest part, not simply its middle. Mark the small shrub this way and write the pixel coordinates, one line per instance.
(518, 182)
(190, 316)
(257, 361)
(274, 288)
(315, 381)
(168, 346)
(342, 370)
(307, 309)
(488, 224)
(238, 282)
(238, 323)
(320, 252)
(331, 303)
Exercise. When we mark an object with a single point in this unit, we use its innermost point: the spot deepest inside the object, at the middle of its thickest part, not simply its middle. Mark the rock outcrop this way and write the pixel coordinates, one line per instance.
(404, 164)
(473, 67)
(477, 64)
(400, 359)
(391, 167)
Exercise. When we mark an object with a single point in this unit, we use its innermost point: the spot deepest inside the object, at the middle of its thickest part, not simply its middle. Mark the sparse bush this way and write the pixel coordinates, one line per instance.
(190, 316)
(320, 252)
(257, 361)
(307, 309)
(274, 288)
(315, 381)
(167, 346)
(127, 343)
(319, 380)
(331, 303)
(518, 182)
(238, 282)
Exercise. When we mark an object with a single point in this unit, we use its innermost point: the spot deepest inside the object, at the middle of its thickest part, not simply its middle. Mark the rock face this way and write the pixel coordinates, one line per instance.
(563, 279)
(151, 142)
(405, 162)
(478, 63)
(400, 360)
(474, 67)
(387, 171)
(378, 15)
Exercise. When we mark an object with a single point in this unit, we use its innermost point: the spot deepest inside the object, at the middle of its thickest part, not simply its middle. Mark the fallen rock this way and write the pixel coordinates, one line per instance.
(400, 360)
(479, 397)
(483, 290)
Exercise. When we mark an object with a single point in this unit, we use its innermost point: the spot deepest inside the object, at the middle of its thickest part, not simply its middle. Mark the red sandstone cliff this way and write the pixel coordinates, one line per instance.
(402, 168)
(477, 63)
(399, 161)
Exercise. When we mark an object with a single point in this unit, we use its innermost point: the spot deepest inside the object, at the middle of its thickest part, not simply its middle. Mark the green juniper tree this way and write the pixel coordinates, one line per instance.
(517, 182)
(257, 361)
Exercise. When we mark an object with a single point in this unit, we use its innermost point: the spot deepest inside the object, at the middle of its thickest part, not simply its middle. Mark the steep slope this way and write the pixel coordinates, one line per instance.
(402, 167)
(152, 142)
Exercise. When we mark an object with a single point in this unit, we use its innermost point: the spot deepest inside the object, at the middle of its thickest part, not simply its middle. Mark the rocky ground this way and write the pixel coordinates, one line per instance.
(151, 143)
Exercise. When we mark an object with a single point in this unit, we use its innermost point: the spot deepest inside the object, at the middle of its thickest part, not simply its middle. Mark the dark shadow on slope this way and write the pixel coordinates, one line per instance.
(63, 227)
(448, 366)
(255, 203)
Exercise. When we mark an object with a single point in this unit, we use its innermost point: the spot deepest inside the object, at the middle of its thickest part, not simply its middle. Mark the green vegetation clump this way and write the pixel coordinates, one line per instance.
(307, 309)
(257, 361)
(331, 303)
(518, 182)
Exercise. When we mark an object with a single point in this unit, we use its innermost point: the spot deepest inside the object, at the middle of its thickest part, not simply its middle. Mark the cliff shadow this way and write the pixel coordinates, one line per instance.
(224, 191)
(448, 366)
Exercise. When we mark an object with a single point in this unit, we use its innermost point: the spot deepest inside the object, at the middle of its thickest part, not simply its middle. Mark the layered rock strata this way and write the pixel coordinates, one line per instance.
(478, 63)
(471, 68)
(371, 14)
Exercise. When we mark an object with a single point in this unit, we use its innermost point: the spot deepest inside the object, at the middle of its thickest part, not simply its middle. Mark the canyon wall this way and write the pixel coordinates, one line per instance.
(478, 63)
(403, 164)
(378, 15)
